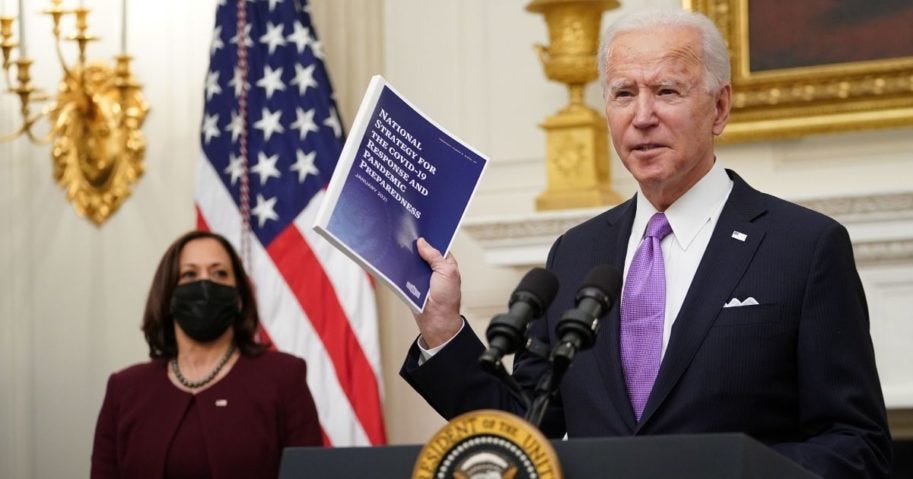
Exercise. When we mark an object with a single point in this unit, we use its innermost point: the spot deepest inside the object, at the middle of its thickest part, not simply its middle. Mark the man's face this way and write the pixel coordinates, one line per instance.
(660, 115)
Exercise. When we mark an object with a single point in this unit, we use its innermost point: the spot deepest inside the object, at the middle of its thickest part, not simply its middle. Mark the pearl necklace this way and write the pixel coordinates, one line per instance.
(207, 379)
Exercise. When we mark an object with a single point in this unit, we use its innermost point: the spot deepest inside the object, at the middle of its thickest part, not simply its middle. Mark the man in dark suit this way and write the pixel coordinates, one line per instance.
(761, 325)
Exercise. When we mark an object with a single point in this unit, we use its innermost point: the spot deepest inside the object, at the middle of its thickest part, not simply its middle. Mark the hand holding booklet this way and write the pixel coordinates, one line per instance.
(400, 177)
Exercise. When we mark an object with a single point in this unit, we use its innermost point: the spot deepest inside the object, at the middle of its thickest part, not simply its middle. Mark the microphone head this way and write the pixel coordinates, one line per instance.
(605, 278)
(538, 285)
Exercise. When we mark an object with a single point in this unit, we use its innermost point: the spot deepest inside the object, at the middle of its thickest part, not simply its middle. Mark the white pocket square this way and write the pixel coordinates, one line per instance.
(734, 302)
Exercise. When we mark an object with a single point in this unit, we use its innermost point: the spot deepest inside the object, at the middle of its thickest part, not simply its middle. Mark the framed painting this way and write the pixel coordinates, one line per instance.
(815, 66)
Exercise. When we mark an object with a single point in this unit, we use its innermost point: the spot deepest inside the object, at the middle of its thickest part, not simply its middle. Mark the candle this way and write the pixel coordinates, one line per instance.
(22, 50)
(123, 27)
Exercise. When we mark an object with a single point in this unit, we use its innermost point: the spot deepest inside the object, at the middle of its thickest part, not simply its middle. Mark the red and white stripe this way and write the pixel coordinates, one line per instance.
(314, 303)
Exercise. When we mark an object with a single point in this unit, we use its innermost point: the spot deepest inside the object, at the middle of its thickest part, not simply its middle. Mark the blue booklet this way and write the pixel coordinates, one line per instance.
(400, 176)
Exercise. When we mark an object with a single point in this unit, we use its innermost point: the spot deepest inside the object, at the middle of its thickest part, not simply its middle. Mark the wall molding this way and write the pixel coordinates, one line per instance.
(880, 225)
(868, 207)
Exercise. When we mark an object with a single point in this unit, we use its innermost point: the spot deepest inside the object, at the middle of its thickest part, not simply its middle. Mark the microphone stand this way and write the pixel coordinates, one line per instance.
(559, 360)
(497, 370)
(576, 332)
(537, 404)
(546, 389)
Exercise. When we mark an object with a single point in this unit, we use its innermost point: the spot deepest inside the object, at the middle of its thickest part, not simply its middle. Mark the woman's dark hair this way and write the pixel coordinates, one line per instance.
(158, 323)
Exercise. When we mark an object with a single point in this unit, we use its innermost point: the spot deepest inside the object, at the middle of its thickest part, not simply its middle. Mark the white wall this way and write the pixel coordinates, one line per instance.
(71, 294)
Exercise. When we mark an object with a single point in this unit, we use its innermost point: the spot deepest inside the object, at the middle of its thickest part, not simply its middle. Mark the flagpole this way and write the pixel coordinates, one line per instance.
(242, 140)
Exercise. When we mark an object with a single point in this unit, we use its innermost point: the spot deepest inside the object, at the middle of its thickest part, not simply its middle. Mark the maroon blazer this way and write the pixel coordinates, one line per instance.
(261, 406)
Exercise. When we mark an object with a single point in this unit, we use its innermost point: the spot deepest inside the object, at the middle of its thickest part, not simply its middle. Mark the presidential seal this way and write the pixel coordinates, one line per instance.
(487, 444)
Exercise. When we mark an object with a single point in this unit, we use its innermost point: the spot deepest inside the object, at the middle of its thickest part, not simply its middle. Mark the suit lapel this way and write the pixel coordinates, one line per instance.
(720, 269)
(606, 347)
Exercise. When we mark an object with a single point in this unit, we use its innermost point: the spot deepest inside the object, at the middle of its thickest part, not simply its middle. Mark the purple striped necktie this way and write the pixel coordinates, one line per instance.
(643, 306)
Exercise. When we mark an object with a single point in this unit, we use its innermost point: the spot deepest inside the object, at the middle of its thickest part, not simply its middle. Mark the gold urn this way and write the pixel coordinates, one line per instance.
(577, 154)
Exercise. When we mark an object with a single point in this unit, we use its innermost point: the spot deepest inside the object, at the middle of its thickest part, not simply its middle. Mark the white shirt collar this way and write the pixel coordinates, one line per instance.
(692, 210)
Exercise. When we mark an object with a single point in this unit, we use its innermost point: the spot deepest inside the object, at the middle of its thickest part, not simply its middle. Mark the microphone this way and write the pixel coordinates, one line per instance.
(506, 332)
(578, 326)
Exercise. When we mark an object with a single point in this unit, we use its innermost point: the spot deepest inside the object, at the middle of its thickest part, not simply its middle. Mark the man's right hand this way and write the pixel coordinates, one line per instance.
(441, 319)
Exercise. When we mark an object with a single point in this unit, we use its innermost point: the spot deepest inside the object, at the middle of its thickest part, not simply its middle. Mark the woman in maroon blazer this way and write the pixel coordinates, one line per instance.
(212, 402)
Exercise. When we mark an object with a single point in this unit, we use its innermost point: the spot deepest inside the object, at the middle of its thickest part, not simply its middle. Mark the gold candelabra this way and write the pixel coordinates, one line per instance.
(577, 155)
(94, 120)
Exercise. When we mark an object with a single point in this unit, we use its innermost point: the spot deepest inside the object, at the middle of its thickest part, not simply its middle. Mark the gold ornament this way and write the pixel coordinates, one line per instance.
(577, 156)
(95, 121)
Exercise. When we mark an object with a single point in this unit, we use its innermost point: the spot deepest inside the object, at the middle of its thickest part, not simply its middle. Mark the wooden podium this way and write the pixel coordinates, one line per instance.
(698, 456)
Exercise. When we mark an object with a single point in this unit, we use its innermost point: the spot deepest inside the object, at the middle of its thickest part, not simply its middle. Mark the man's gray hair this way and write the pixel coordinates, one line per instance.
(713, 48)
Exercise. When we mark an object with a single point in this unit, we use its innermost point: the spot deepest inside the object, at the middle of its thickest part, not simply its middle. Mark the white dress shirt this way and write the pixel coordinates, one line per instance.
(692, 217)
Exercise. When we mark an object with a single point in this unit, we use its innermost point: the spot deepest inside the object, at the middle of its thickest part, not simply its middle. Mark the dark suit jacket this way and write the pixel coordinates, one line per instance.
(796, 371)
(267, 407)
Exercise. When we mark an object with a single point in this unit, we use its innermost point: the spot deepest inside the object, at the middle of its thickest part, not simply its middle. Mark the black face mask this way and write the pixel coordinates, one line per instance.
(204, 309)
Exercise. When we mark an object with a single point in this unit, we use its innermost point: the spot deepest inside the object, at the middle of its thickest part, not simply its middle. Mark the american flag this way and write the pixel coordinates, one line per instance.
(269, 148)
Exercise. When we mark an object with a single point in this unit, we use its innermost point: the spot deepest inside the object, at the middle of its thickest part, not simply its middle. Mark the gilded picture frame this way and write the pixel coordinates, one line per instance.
(779, 100)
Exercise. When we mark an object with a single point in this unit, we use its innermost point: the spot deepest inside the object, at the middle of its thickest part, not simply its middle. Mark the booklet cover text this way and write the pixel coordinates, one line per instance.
(400, 177)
